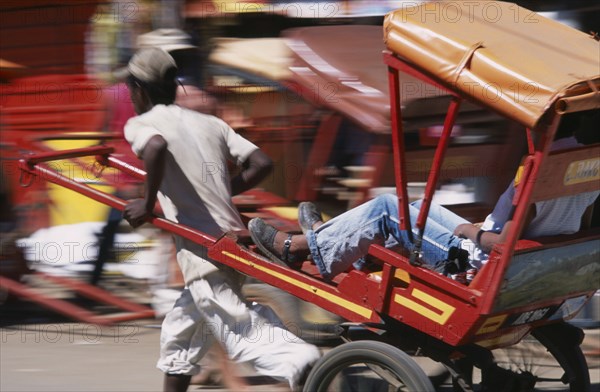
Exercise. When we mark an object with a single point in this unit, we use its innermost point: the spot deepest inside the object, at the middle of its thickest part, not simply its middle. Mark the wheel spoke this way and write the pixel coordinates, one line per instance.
(543, 359)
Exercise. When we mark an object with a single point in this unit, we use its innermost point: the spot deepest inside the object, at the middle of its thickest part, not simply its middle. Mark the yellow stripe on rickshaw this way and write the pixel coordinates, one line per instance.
(360, 310)
(503, 340)
(441, 317)
(492, 324)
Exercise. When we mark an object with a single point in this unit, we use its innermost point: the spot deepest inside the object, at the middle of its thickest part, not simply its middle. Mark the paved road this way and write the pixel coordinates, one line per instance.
(79, 357)
(39, 351)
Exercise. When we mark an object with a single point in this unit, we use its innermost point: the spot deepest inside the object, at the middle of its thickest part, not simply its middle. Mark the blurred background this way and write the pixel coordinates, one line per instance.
(303, 80)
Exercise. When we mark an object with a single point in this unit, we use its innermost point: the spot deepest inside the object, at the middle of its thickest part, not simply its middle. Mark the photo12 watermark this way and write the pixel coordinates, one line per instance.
(71, 252)
(208, 9)
(71, 333)
(118, 12)
(466, 12)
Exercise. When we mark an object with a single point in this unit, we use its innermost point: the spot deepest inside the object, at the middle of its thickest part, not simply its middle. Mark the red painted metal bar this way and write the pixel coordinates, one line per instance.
(66, 154)
(57, 305)
(115, 202)
(37, 143)
(301, 285)
(528, 165)
(404, 67)
(115, 163)
(81, 136)
(530, 143)
(229, 253)
(440, 282)
(73, 311)
(521, 202)
(319, 154)
(99, 295)
(386, 286)
(398, 143)
(438, 160)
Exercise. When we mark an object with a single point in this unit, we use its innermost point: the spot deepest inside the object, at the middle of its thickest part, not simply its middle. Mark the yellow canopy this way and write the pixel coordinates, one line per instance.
(505, 57)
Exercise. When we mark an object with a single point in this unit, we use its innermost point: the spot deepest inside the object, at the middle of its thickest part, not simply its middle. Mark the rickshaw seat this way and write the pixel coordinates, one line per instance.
(557, 240)
(568, 172)
(549, 269)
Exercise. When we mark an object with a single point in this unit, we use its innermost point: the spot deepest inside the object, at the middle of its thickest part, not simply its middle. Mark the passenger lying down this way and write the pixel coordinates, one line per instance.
(337, 244)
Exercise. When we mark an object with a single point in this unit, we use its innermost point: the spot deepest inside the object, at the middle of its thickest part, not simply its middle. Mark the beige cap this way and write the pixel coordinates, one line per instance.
(149, 65)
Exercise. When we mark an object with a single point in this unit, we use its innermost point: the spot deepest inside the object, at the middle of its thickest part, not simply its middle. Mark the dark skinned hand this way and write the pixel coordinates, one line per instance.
(136, 212)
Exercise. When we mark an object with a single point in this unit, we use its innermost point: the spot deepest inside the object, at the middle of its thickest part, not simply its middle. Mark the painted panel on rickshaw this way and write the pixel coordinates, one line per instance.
(549, 274)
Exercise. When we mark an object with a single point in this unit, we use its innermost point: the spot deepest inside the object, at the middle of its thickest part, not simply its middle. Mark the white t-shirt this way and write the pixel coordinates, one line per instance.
(196, 187)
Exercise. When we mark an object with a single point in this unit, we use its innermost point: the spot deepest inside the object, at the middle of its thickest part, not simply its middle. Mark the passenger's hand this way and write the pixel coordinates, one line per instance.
(462, 230)
(136, 212)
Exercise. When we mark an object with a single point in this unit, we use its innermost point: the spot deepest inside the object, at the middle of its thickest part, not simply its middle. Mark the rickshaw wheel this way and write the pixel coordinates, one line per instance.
(367, 366)
(563, 341)
(550, 356)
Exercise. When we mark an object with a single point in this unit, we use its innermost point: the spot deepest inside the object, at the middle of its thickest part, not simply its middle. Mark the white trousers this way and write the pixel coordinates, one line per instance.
(211, 310)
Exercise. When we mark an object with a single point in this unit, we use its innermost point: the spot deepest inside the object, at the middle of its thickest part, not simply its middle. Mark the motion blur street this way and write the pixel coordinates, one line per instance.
(189, 158)
(41, 351)
(76, 357)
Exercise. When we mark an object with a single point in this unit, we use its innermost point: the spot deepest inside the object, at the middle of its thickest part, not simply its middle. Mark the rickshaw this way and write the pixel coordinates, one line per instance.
(527, 68)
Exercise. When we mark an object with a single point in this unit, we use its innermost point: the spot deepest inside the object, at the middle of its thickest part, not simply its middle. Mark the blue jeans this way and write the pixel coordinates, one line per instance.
(346, 238)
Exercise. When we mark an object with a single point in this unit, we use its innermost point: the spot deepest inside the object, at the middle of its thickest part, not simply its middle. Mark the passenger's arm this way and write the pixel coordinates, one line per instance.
(488, 239)
(138, 211)
(254, 170)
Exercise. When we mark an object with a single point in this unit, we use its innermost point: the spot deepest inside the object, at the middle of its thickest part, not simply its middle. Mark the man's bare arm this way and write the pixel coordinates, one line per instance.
(154, 156)
(254, 170)
(139, 210)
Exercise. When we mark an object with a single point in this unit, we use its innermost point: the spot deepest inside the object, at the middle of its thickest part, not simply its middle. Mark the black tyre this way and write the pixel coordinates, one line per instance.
(367, 366)
(548, 359)
(563, 342)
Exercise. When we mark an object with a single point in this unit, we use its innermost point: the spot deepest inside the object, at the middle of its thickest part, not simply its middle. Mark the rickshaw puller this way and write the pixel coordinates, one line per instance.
(186, 154)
